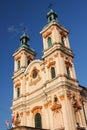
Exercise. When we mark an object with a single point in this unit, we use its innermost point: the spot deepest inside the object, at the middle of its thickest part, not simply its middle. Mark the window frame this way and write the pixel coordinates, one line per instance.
(38, 121)
(19, 64)
(68, 71)
(49, 41)
(63, 41)
(18, 92)
(28, 61)
(53, 73)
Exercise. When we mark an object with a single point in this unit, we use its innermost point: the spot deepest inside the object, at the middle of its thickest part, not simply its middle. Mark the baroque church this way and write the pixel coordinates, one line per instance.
(46, 92)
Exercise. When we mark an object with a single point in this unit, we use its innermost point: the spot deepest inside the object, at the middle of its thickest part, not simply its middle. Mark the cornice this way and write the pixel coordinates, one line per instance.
(54, 48)
(53, 24)
(18, 72)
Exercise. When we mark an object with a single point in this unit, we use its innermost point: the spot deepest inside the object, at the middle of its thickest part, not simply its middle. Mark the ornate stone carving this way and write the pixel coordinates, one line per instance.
(50, 59)
(34, 70)
(76, 103)
(45, 62)
(35, 76)
(47, 34)
(61, 55)
(64, 34)
(17, 120)
(69, 95)
(56, 107)
(17, 84)
(43, 69)
(56, 55)
(34, 81)
(50, 64)
(36, 108)
(27, 78)
(68, 61)
(17, 58)
(21, 114)
(48, 104)
(62, 97)
(27, 113)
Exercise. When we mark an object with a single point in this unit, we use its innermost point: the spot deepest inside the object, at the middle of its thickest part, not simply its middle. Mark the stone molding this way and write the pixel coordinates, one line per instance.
(36, 108)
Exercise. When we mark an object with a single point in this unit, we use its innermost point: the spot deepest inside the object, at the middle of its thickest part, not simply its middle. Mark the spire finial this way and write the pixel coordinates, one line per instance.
(24, 30)
(51, 15)
(50, 6)
(24, 38)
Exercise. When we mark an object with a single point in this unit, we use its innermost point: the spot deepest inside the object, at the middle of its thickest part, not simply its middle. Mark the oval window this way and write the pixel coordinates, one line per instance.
(34, 74)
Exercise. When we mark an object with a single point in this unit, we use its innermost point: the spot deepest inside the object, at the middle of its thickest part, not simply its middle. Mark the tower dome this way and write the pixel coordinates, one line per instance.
(51, 15)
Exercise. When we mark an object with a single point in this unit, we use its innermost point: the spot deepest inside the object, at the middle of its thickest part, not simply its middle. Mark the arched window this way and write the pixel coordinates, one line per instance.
(68, 71)
(18, 92)
(28, 62)
(62, 40)
(55, 99)
(50, 18)
(19, 64)
(49, 42)
(38, 122)
(17, 116)
(53, 75)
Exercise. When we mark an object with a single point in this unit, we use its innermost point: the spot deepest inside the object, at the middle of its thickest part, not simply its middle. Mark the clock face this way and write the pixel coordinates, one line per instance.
(34, 74)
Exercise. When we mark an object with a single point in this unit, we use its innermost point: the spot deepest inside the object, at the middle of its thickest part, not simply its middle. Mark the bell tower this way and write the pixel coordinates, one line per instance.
(24, 55)
(61, 85)
(57, 48)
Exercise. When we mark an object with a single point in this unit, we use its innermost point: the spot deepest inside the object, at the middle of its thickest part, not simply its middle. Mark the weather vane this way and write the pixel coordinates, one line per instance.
(24, 30)
(50, 6)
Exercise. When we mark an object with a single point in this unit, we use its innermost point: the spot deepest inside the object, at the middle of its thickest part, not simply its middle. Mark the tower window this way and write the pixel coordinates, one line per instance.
(18, 92)
(62, 40)
(19, 64)
(38, 122)
(68, 71)
(50, 18)
(55, 99)
(17, 116)
(53, 75)
(49, 42)
(28, 62)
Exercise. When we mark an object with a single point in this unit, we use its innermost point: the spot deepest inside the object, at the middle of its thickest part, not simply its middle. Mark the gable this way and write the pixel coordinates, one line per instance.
(33, 76)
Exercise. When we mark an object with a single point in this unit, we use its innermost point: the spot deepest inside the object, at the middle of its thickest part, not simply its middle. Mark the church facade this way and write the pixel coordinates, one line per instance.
(46, 92)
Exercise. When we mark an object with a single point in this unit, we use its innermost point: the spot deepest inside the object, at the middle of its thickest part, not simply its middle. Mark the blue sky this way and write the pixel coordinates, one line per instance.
(17, 14)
